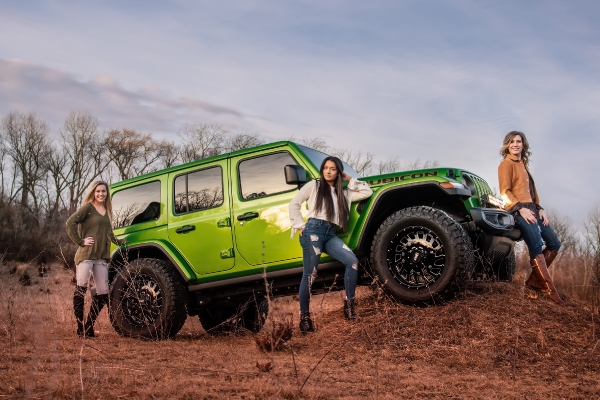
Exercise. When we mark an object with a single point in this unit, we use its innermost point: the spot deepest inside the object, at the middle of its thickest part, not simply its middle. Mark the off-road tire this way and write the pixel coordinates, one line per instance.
(421, 254)
(148, 299)
(504, 270)
(249, 315)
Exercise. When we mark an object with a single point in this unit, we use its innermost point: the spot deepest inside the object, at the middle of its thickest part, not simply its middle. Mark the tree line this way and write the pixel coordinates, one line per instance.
(44, 177)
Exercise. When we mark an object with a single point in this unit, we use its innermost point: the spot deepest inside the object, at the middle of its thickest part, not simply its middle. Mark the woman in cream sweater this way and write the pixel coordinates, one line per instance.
(328, 212)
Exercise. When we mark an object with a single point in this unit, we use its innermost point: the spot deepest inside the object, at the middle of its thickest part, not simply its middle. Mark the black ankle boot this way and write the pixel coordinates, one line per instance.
(306, 324)
(78, 300)
(349, 311)
(98, 303)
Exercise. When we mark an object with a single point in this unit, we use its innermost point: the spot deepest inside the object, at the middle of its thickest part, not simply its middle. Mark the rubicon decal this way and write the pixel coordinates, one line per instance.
(406, 177)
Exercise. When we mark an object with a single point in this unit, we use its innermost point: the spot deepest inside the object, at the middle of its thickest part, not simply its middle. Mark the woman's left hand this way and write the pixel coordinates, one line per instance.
(346, 177)
(544, 218)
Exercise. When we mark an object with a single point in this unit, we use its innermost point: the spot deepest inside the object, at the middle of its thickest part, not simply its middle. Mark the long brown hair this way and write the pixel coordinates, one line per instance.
(89, 197)
(525, 154)
(324, 199)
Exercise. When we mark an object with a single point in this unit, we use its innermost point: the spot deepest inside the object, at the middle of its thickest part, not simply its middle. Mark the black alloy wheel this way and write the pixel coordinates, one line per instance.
(421, 255)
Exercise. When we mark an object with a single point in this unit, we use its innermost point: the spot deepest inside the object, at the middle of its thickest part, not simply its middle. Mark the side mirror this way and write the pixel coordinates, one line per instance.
(295, 175)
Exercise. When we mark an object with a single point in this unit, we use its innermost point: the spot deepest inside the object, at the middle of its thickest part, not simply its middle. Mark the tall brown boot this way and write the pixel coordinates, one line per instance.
(549, 256)
(532, 281)
(539, 271)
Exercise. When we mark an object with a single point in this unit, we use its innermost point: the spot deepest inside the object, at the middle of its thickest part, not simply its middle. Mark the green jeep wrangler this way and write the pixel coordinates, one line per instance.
(207, 238)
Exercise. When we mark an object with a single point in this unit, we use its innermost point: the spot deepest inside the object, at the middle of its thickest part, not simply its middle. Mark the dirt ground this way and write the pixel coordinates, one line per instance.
(492, 341)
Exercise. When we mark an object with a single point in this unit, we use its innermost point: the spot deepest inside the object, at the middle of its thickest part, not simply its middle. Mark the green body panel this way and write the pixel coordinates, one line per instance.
(202, 247)
(220, 246)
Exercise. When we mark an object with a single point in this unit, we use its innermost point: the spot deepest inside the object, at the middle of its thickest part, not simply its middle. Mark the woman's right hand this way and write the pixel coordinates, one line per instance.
(528, 215)
(300, 230)
(88, 241)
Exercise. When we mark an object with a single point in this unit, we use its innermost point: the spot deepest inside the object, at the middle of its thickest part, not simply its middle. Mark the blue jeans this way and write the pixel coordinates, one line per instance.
(535, 235)
(318, 237)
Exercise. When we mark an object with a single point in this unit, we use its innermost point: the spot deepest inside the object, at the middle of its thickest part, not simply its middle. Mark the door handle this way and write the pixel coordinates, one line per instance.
(186, 228)
(247, 216)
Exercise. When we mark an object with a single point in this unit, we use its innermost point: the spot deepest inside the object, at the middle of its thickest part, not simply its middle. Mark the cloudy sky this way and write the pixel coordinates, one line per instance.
(429, 80)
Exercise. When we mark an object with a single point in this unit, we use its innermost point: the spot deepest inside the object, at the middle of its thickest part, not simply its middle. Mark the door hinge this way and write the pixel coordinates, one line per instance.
(224, 223)
(227, 253)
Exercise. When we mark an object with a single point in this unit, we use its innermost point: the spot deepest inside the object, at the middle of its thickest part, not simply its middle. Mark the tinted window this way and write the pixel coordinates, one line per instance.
(198, 190)
(317, 158)
(263, 176)
(137, 204)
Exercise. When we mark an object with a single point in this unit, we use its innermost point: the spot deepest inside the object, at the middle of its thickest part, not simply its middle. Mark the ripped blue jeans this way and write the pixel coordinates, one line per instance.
(319, 237)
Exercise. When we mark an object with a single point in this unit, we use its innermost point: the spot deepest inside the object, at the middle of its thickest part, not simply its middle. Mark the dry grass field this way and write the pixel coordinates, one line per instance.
(492, 341)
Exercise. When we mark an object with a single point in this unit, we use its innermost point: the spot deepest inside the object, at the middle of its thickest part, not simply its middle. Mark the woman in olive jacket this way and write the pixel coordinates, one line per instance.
(518, 191)
(90, 228)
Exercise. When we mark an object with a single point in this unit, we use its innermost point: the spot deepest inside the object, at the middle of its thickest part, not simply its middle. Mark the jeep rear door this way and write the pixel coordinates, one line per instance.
(260, 200)
(199, 217)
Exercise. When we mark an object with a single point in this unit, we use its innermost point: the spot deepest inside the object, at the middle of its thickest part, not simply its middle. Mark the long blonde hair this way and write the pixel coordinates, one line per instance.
(89, 197)
(525, 153)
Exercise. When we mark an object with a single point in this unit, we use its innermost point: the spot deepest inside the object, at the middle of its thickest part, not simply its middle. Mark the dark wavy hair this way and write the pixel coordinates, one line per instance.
(324, 200)
(525, 154)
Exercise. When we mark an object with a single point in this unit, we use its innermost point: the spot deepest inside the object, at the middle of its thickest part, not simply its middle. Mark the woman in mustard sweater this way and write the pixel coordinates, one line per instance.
(518, 191)
(90, 228)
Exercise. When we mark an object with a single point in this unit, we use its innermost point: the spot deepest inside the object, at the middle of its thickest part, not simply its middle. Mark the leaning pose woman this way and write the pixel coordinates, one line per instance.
(90, 228)
(328, 212)
(521, 199)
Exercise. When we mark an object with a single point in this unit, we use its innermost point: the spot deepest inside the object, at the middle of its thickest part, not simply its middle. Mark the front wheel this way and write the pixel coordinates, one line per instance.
(148, 299)
(504, 269)
(420, 254)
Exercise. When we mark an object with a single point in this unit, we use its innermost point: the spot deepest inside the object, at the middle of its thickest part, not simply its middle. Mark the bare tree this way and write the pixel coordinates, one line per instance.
(565, 231)
(315, 143)
(57, 164)
(131, 152)
(202, 141)
(27, 144)
(409, 165)
(391, 164)
(83, 158)
(242, 141)
(592, 238)
(168, 153)
(361, 163)
(3, 166)
(592, 233)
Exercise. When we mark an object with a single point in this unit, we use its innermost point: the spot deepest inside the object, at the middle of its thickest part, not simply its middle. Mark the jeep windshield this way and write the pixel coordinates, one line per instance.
(317, 157)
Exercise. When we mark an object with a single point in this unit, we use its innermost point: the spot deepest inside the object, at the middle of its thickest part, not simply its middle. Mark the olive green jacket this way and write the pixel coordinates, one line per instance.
(87, 221)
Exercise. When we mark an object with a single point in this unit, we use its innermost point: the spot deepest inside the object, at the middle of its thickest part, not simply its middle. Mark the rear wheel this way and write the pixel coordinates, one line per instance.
(249, 315)
(420, 254)
(148, 299)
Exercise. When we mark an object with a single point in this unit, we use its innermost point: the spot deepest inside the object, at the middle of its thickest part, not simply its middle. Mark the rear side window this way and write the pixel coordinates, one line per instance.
(198, 190)
(263, 176)
(136, 205)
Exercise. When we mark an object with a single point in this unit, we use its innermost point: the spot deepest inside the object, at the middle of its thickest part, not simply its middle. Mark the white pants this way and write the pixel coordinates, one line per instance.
(85, 268)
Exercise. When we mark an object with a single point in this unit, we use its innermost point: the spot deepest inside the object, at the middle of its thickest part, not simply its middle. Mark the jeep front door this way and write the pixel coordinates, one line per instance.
(260, 200)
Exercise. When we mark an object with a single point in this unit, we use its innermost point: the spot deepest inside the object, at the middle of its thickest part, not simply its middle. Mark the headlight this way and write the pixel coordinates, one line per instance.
(452, 185)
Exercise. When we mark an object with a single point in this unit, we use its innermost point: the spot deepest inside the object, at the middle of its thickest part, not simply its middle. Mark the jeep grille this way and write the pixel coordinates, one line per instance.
(478, 185)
